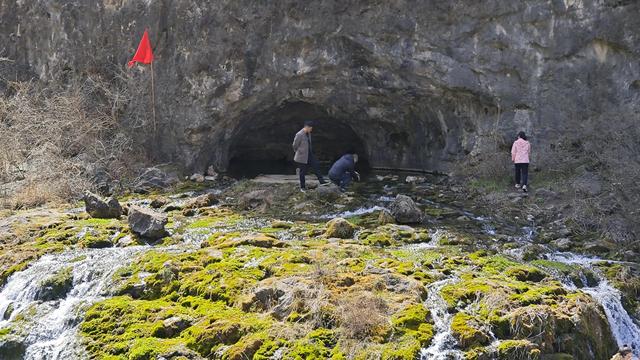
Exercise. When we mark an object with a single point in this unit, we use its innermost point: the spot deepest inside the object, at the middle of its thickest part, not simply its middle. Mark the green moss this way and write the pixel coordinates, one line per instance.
(518, 350)
(414, 322)
(464, 328)
(318, 344)
(525, 273)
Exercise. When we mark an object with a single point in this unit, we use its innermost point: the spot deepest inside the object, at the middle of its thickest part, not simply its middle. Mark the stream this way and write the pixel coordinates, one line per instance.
(49, 327)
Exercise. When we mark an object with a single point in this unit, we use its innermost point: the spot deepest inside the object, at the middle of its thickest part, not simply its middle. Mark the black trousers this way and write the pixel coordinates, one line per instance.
(304, 169)
(522, 174)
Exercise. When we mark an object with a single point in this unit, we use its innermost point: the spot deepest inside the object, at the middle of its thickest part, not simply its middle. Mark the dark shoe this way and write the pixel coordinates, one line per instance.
(323, 182)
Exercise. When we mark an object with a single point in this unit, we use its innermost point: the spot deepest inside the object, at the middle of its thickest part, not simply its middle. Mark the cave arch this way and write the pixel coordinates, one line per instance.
(262, 144)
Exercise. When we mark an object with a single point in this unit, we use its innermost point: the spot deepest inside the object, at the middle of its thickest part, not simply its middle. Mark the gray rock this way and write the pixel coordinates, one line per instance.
(405, 210)
(97, 207)
(147, 223)
(256, 200)
(154, 178)
(328, 193)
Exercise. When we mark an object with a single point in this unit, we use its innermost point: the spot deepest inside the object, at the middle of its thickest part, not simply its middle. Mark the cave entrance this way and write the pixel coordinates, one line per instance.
(262, 144)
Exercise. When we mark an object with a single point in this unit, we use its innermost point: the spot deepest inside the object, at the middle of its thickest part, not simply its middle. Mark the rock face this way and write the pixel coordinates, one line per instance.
(101, 208)
(406, 83)
(147, 223)
(405, 210)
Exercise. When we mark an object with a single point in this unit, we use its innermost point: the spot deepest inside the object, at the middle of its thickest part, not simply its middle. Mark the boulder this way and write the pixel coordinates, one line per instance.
(339, 228)
(154, 178)
(259, 200)
(328, 193)
(405, 210)
(147, 223)
(97, 207)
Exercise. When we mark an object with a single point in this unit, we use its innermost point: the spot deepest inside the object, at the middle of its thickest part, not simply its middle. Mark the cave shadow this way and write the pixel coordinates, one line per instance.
(262, 143)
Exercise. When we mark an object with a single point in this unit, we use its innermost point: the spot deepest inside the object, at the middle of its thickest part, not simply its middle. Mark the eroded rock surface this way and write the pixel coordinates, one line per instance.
(408, 83)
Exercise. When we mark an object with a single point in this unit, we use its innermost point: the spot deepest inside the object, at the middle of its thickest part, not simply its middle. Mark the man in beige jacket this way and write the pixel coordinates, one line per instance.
(303, 157)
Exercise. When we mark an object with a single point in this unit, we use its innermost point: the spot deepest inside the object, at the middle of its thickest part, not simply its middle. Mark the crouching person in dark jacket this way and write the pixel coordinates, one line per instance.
(343, 171)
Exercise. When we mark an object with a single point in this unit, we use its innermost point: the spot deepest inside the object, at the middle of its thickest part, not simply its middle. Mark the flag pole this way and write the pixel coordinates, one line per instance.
(153, 100)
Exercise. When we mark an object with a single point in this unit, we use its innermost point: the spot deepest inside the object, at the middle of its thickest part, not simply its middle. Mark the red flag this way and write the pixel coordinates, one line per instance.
(144, 54)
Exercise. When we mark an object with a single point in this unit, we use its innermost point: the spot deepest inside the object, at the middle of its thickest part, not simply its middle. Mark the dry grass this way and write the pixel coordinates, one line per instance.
(56, 141)
(362, 315)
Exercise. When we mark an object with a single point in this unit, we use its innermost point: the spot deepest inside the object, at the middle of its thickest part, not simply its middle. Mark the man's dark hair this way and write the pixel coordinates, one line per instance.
(308, 123)
(522, 135)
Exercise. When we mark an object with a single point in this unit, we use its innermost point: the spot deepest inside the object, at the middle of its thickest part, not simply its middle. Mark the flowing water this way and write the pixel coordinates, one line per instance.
(443, 345)
(50, 327)
(625, 330)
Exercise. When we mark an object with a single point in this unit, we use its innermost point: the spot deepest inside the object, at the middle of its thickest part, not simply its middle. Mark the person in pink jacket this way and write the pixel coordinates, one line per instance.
(520, 156)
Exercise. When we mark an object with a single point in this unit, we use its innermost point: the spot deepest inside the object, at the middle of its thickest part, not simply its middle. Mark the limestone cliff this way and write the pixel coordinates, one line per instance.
(406, 83)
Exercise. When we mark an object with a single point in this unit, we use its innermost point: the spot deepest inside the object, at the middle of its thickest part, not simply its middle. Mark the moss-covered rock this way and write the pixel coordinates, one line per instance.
(57, 286)
(467, 331)
(339, 228)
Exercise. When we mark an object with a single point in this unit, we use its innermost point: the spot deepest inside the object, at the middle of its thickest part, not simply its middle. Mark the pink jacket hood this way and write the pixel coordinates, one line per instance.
(520, 151)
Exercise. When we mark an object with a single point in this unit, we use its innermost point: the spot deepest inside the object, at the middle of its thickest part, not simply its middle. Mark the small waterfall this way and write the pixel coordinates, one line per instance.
(443, 344)
(624, 329)
(48, 327)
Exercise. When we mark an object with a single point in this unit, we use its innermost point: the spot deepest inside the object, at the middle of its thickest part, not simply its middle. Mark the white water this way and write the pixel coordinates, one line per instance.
(352, 213)
(49, 327)
(624, 329)
(443, 344)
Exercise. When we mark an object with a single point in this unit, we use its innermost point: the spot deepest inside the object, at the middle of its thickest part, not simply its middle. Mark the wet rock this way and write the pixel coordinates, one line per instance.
(8, 312)
(339, 228)
(154, 178)
(56, 286)
(97, 207)
(405, 210)
(12, 348)
(172, 327)
(147, 223)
